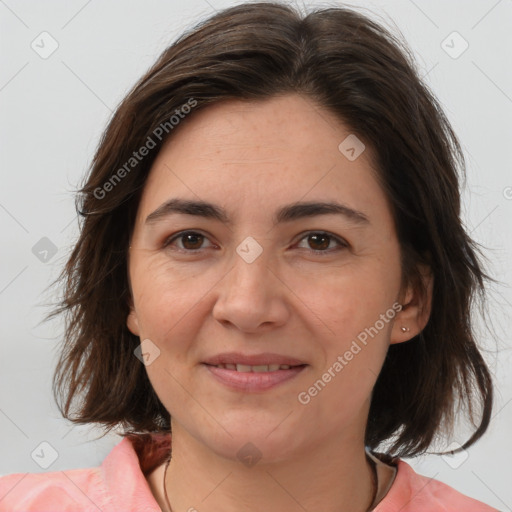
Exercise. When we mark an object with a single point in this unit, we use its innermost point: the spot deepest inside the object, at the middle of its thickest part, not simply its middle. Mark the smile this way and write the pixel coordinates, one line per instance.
(255, 368)
(240, 377)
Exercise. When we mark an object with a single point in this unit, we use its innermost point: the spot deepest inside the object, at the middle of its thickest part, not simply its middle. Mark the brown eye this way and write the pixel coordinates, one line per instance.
(190, 241)
(319, 242)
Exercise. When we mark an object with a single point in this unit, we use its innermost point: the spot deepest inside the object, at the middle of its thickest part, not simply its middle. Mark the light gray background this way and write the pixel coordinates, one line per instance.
(54, 110)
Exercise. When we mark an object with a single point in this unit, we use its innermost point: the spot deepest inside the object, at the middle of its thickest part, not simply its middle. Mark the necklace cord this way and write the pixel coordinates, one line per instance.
(165, 487)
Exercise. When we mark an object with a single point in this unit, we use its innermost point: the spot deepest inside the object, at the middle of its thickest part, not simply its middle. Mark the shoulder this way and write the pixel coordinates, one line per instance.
(412, 492)
(75, 489)
(118, 484)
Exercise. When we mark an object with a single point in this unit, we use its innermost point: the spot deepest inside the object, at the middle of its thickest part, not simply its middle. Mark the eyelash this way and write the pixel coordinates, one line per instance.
(342, 244)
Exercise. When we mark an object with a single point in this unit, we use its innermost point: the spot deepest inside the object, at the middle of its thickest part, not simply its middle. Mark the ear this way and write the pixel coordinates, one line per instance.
(132, 321)
(416, 307)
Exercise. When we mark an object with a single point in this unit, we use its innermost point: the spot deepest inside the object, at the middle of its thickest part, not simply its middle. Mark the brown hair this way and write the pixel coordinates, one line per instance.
(363, 74)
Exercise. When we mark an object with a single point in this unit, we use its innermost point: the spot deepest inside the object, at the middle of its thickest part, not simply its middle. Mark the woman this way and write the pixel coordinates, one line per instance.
(272, 277)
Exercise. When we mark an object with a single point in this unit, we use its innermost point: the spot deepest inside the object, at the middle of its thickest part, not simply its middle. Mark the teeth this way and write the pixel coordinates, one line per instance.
(261, 368)
(256, 368)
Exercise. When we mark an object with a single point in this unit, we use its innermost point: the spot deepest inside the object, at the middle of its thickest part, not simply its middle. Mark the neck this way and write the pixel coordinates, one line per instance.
(332, 477)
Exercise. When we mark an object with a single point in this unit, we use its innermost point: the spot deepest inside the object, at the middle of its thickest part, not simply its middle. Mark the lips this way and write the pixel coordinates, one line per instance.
(253, 372)
(255, 362)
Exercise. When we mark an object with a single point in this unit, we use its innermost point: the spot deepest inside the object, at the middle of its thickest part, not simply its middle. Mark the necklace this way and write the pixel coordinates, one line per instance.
(374, 481)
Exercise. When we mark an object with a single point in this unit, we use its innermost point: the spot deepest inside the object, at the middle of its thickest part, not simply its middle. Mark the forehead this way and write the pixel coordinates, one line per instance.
(288, 126)
(276, 150)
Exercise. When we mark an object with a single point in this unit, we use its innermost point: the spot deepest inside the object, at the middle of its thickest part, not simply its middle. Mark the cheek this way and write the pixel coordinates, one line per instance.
(355, 307)
(168, 303)
(347, 301)
(164, 294)
(359, 316)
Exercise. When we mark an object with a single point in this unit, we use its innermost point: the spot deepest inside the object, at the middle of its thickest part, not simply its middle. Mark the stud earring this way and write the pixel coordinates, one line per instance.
(404, 329)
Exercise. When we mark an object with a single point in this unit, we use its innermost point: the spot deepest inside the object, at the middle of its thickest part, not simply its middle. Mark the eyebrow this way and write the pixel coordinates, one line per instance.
(287, 213)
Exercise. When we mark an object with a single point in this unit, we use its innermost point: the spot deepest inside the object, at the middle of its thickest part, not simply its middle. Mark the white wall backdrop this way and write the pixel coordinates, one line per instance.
(65, 65)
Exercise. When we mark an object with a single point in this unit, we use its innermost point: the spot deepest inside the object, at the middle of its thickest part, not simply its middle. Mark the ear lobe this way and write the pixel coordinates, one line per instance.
(416, 308)
(132, 322)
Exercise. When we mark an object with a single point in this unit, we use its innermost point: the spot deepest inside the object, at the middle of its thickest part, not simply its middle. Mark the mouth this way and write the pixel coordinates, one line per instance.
(260, 368)
(263, 361)
(253, 373)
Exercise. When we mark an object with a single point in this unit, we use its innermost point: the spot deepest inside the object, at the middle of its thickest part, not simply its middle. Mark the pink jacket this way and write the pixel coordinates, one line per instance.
(119, 485)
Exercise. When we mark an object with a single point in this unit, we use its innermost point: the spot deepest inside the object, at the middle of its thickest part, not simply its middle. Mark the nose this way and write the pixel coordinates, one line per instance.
(251, 297)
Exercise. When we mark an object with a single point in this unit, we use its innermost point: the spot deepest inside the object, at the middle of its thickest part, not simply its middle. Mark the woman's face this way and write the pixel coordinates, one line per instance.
(303, 286)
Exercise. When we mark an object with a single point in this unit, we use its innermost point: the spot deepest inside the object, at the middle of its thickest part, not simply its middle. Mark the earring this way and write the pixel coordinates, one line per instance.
(404, 329)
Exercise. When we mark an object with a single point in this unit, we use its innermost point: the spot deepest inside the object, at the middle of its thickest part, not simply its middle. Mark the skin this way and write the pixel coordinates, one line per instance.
(251, 158)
